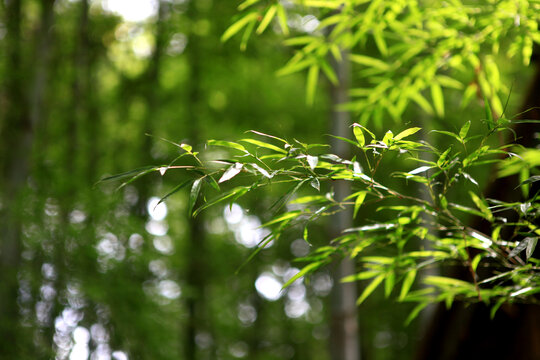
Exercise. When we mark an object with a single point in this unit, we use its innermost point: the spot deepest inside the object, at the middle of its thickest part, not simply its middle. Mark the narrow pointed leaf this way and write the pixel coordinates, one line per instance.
(464, 130)
(175, 190)
(194, 194)
(406, 133)
(407, 283)
(359, 135)
(370, 288)
(438, 99)
(237, 26)
(231, 172)
(311, 85)
(358, 202)
(266, 19)
(305, 270)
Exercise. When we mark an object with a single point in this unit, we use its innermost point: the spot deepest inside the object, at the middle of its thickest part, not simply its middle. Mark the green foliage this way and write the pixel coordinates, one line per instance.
(424, 231)
(402, 51)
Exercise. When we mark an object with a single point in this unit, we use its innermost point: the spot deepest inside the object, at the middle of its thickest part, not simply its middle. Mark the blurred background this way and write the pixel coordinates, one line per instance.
(87, 89)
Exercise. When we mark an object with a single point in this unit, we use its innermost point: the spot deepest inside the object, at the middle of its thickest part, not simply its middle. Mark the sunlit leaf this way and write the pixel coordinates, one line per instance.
(482, 206)
(237, 26)
(270, 13)
(312, 161)
(370, 288)
(265, 145)
(438, 99)
(227, 144)
(358, 202)
(305, 270)
(406, 133)
(464, 130)
(407, 283)
(311, 83)
(231, 172)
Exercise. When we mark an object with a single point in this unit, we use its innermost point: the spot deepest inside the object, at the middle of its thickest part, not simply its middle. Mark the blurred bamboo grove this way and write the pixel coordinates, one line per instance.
(89, 89)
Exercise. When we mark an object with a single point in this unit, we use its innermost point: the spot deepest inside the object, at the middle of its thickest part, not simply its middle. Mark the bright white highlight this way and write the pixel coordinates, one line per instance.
(156, 212)
(132, 10)
(268, 286)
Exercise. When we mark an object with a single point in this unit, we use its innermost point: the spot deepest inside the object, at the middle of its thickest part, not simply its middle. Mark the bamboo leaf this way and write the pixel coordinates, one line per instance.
(231, 172)
(464, 130)
(175, 190)
(194, 194)
(359, 135)
(265, 145)
(270, 13)
(358, 202)
(389, 282)
(407, 283)
(438, 99)
(237, 192)
(406, 133)
(311, 84)
(370, 288)
(237, 26)
(305, 270)
(482, 206)
(282, 17)
(369, 61)
(227, 144)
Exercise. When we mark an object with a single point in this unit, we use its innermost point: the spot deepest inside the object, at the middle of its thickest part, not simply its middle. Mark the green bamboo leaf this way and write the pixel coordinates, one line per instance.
(360, 276)
(270, 13)
(237, 192)
(194, 194)
(482, 206)
(365, 129)
(422, 102)
(265, 145)
(237, 26)
(311, 84)
(266, 135)
(305, 234)
(359, 135)
(442, 158)
(406, 133)
(329, 72)
(247, 4)
(370, 288)
(489, 114)
(358, 202)
(464, 130)
(380, 42)
(247, 35)
(287, 216)
(449, 82)
(282, 17)
(228, 144)
(414, 313)
(389, 283)
(369, 61)
(448, 133)
(133, 172)
(438, 99)
(175, 190)
(407, 283)
(305, 270)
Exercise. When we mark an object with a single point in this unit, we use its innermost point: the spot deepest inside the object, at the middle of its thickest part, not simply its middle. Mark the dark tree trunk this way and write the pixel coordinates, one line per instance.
(344, 338)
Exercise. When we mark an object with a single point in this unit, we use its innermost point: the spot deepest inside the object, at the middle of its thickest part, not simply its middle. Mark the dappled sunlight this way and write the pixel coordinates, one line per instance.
(131, 10)
(268, 286)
